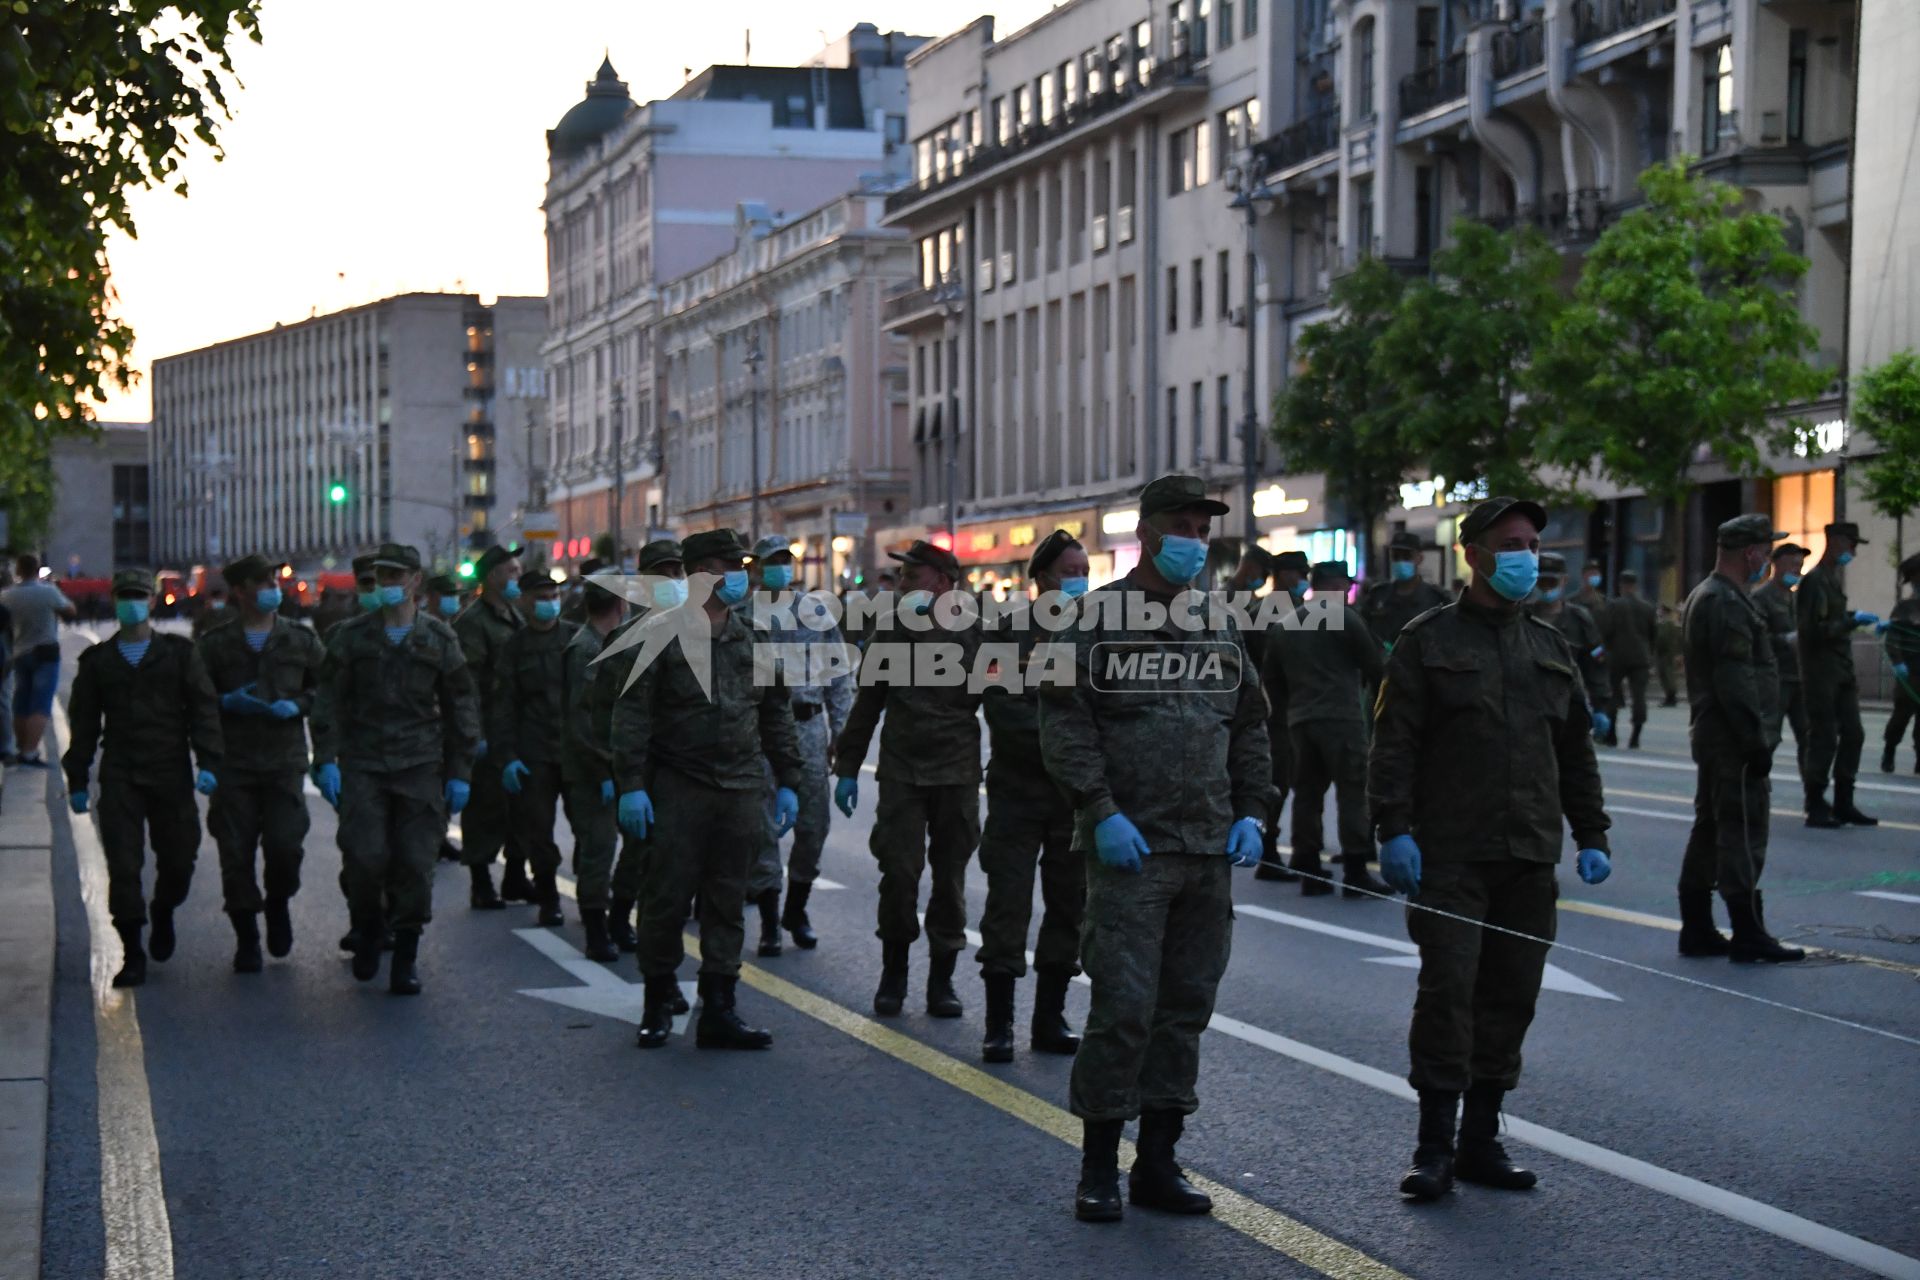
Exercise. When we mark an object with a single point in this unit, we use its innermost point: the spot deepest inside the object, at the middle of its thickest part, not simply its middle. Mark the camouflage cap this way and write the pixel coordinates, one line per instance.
(1553, 565)
(1331, 571)
(1049, 550)
(1483, 515)
(127, 582)
(1407, 540)
(1293, 560)
(713, 544)
(1629, 575)
(1177, 493)
(492, 558)
(660, 551)
(774, 544)
(363, 566)
(249, 569)
(590, 566)
(1790, 549)
(396, 555)
(1751, 530)
(924, 552)
(1845, 529)
(445, 584)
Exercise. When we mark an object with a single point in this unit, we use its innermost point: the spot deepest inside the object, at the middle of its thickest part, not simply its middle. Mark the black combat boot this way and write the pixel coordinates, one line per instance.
(1271, 867)
(1886, 756)
(483, 896)
(1431, 1175)
(1358, 882)
(1051, 1034)
(1482, 1160)
(246, 943)
(892, 992)
(1818, 814)
(997, 1045)
(599, 946)
(1613, 737)
(401, 979)
(1752, 944)
(1844, 810)
(1312, 874)
(656, 1017)
(366, 937)
(620, 925)
(942, 1000)
(449, 851)
(514, 885)
(1633, 743)
(1698, 936)
(719, 1026)
(1156, 1181)
(160, 937)
(546, 895)
(279, 928)
(769, 905)
(793, 918)
(133, 969)
(1097, 1199)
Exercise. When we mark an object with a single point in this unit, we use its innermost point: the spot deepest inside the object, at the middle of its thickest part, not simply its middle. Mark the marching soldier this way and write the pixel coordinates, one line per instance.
(819, 713)
(1629, 633)
(1903, 653)
(1482, 759)
(484, 628)
(150, 692)
(1733, 689)
(586, 775)
(1029, 830)
(1774, 599)
(265, 670)
(1290, 569)
(445, 597)
(687, 756)
(529, 709)
(1165, 776)
(1322, 673)
(928, 775)
(394, 731)
(1389, 606)
(1582, 634)
(212, 612)
(1834, 733)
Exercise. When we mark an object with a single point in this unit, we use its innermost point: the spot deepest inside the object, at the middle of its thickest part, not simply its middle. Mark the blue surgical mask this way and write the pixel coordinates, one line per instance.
(1179, 559)
(512, 590)
(131, 613)
(1403, 570)
(1758, 575)
(216, 603)
(267, 599)
(1551, 595)
(733, 586)
(1514, 573)
(776, 577)
(1845, 557)
(1073, 588)
(1298, 590)
(1594, 580)
(917, 601)
(393, 595)
(669, 593)
(546, 610)
(1791, 579)
(369, 600)
(449, 606)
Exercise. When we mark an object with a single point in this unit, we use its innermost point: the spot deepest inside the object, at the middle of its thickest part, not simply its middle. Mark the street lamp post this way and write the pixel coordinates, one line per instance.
(753, 359)
(618, 516)
(1249, 195)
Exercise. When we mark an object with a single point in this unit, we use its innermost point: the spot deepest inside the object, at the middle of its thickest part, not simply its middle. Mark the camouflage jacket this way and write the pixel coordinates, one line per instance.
(931, 737)
(1013, 719)
(1825, 626)
(585, 755)
(1628, 629)
(1582, 635)
(1322, 672)
(287, 667)
(1733, 683)
(1390, 606)
(385, 707)
(1774, 599)
(150, 715)
(528, 707)
(484, 627)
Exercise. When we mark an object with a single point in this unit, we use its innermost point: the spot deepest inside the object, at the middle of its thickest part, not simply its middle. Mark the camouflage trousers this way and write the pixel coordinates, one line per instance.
(912, 827)
(391, 825)
(702, 842)
(598, 876)
(1029, 835)
(1727, 848)
(264, 811)
(1834, 733)
(486, 823)
(136, 812)
(1155, 945)
(1330, 753)
(816, 814)
(532, 813)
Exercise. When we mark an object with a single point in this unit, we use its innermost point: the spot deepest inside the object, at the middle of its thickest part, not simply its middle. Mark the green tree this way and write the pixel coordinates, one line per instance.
(1682, 338)
(1460, 346)
(1886, 403)
(1340, 415)
(97, 99)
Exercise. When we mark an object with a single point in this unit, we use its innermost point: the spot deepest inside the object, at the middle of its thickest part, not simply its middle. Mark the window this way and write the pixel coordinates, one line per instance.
(1129, 165)
(1363, 70)
(1002, 125)
(1173, 299)
(1716, 99)
(1253, 18)
(1226, 23)
(1199, 422)
(896, 130)
(1796, 85)
(1173, 427)
(1045, 86)
(1202, 153)
(1426, 37)
(1023, 108)
(1363, 218)
(1069, 85)
(1143, 52)
(923, 159)
(1225, 286)
(1202, 20)
(1094, 72)
(1223, 417)
(1179, 163)
(1199, 293)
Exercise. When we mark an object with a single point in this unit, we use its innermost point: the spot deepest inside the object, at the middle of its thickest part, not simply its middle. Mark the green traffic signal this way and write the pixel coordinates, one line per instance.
(465, 570)
(336, 493)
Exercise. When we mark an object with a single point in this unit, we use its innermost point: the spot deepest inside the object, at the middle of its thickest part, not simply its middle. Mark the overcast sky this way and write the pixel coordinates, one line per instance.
(380, 147)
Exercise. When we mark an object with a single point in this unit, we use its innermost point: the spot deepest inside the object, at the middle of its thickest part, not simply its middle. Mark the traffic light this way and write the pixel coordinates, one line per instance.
(465, 570)
(336, 493)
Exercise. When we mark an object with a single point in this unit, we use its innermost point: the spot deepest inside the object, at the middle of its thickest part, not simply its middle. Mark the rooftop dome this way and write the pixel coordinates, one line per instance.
(606, 105)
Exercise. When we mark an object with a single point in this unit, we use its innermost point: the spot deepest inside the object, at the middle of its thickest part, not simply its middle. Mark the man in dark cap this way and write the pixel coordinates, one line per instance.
(1834, 733)
(1166, 775)
(1389, 606)
(265, 670)
(529, 709)
(1903, 655)
(148, 690)
(1549, 604)
(1482, 760)
(335, 608)
(394, 731)
(1733, 692)
(688, 742)
(573, 600)
(928, 776)
(586, 774)
(1628, 630)
(1774, 599)
(484, 629)
(446, 595)
(1322, 671)
(1290, 570)
(213, 609)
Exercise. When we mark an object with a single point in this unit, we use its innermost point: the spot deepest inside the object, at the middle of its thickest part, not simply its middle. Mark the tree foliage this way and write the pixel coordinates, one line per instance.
(98, 98)
(1682, 338)
(1886, 403)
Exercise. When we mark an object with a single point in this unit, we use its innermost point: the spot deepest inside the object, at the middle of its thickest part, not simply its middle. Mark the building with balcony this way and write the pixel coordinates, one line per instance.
(643, 192)
(419, 418)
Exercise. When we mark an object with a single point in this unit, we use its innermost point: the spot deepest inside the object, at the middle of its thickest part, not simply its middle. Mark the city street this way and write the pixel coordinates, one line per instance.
(1687, 1117)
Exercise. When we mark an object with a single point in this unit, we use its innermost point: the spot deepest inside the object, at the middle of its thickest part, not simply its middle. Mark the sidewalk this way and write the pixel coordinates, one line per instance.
(26, 1007)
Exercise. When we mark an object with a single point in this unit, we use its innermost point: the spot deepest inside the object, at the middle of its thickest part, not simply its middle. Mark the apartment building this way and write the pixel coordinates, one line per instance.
(85, 538)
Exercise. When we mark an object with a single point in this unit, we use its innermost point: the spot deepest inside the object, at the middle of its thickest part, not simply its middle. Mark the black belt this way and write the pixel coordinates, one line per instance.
(805, 710)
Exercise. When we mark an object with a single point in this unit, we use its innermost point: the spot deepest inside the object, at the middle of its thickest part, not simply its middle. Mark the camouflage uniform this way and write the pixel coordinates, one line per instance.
(528, 707)
(1582, 635)
(1733, 687)
(1835, 735)
(1629, 633)
(486, 824)
(1774, 599)
(586, 770)
(1389, 606)
(819, 714)
(1903, 645)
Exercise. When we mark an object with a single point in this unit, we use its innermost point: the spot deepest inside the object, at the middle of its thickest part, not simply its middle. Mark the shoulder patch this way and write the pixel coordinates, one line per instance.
(1422, 619)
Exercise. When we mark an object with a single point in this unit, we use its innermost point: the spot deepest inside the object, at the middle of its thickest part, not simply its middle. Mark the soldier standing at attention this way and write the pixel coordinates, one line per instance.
(1029, 832)
(1389, 606)
(394, 730)
(1322, 673)
(929, 778)
(529, 716)
(586, 775)
(1733, 690)
(1834, 733)
(1774, 599)
(149, 691)
(1903, 654)
(1550, 605)
(1590, 594)
(1482, 759)
(1143, 761)
(1666, 654)
(1628, 631)
(484, 628)
(266, 671)
(688, 756)
(1290, 569)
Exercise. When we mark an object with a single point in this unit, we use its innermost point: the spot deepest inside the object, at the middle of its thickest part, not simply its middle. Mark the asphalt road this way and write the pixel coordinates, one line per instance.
(1688, 1118)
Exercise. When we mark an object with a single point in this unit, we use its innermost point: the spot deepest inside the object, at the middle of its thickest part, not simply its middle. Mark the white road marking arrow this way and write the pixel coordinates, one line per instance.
(1408, 955)
(605, 993)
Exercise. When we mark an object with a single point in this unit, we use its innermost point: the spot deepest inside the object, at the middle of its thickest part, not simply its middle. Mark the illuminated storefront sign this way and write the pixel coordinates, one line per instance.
(1821, 438)
(1273, 501)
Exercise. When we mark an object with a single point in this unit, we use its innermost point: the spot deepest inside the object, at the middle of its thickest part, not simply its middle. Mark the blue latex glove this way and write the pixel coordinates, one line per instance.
(636, 814)
(786, 809)
(1593, 865)
(514, 776)
(1400, 864)
(1602, 723)
(77, 801)
(239, 702)
(283, 708)
(1598, 651)
(480, 750)
(1243, 843)
(1119, 843)
(204, 782)
(606, 792)
(1900, 669)
(1881, 627)
(1863, 619)
(456, 795)
(846, 795)
(327, 778)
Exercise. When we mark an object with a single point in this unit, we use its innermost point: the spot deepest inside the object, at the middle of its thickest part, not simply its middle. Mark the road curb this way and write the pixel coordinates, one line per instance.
(26, 1011)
